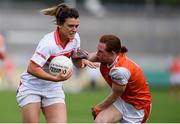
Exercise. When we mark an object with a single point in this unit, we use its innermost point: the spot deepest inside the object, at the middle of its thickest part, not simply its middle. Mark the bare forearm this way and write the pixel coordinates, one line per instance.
(117, 91)
(37, 71)
(108, 101)
(92, 57)
(41, 74)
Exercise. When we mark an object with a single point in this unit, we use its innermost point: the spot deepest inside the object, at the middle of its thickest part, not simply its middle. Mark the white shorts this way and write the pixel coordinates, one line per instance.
(129, 112)
(26, 95)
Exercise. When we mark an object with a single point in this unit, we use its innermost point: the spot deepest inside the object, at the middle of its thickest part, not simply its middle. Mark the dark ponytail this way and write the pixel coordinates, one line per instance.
(124, 49)
(61, 13)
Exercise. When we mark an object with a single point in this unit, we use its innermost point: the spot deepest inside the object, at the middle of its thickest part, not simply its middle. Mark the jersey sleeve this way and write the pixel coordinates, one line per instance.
(120, 75)
(42, 52)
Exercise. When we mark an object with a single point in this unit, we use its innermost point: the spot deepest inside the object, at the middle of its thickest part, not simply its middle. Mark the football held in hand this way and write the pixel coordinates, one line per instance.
(60, 63)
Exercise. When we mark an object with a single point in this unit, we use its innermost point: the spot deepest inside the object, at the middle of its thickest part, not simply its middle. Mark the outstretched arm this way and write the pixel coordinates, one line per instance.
(92, 57)
(117, 91)
(82, 58)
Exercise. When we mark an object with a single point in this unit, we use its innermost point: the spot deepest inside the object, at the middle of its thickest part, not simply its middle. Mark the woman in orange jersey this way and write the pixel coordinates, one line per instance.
(130, 98)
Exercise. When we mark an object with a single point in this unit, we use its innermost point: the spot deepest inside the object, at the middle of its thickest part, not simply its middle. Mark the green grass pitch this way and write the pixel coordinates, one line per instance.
(165, 108)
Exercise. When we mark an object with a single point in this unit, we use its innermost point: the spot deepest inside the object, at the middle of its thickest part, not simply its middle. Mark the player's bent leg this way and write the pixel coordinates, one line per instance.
(109, 115)
(55, 113)
(30, 113)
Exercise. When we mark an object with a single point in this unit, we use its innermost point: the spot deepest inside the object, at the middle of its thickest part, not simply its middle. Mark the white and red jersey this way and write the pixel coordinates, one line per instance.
(49, 47)
(125, 72)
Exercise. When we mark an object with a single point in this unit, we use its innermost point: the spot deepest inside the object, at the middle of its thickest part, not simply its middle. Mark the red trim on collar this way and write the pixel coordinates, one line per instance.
(56, 36)
(58, 40)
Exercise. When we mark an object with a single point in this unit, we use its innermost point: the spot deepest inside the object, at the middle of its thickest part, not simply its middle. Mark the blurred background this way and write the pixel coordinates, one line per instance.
(150, 29)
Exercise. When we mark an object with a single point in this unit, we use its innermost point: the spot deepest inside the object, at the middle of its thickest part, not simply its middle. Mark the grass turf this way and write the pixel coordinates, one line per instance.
(165, 107)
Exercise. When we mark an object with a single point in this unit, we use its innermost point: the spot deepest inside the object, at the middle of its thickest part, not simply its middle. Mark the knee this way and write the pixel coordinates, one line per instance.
(100, 119)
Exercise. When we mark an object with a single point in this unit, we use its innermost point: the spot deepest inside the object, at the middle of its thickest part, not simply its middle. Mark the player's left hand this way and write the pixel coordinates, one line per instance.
(85, 62)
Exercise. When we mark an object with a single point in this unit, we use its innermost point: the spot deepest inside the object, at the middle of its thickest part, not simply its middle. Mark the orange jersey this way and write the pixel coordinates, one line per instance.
(137, 91)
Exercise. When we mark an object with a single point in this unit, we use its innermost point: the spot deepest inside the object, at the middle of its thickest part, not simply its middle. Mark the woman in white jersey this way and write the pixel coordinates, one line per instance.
(40, 90)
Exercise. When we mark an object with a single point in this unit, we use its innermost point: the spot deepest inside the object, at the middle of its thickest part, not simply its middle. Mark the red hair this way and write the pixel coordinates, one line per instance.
(113, 43)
